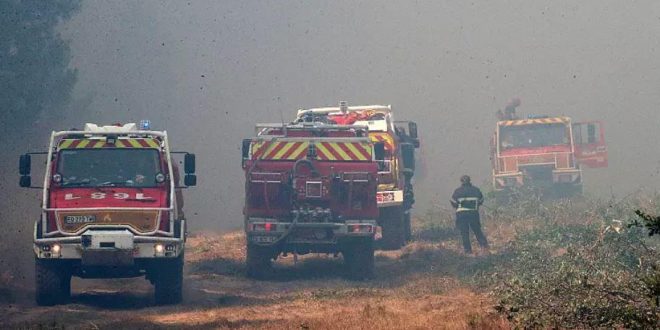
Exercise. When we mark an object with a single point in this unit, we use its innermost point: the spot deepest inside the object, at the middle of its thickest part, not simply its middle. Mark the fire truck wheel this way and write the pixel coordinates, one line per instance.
(53, 283)
(359, 259)
(258, 263)
(394, 231)
(168, 281)
(407, 226)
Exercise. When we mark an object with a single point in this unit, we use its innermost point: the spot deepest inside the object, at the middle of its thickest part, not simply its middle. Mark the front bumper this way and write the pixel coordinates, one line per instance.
(265, 232)
(107, 248)
(518, 179)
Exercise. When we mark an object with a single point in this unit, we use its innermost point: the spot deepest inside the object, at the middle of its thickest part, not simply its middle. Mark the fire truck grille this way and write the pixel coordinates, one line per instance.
(538, 173)
(140, 221)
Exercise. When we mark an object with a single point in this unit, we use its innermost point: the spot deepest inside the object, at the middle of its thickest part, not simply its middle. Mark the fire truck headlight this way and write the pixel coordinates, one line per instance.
(359, 228)
(56, 248)
(159, 248)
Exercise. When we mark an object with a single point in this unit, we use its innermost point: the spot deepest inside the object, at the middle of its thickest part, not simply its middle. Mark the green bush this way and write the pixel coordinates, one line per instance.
(580, 266)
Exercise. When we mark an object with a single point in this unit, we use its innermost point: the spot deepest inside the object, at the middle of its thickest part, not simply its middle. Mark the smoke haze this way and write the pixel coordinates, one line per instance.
(206, 71)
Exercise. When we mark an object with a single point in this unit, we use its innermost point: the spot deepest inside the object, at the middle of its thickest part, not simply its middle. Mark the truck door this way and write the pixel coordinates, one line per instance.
(590, 147)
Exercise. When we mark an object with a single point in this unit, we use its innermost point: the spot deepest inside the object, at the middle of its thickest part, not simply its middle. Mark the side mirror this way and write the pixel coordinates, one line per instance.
(408, 156)
(245, 150)
(379, 151)
(412, 129)
(190, 180)
(189, 164)
(25, 164)
(26, 181)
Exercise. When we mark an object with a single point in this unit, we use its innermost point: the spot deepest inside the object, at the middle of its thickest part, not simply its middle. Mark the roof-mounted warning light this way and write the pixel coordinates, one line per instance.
(145, 124)
(537, 116)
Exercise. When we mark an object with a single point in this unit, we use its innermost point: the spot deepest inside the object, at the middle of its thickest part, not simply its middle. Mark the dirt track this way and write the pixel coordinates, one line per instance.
(420, 286)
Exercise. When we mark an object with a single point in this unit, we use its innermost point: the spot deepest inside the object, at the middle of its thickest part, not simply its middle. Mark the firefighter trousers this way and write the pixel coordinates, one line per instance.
(466, 221)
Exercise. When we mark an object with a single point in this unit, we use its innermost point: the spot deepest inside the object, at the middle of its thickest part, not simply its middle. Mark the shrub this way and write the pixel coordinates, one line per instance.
(580, 266)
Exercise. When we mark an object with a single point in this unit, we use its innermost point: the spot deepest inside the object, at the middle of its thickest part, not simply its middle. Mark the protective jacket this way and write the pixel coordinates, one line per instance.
(467, 198)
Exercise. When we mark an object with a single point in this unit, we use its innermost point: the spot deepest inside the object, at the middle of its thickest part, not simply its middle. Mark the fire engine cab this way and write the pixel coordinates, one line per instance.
(546, 153)
(111, 207)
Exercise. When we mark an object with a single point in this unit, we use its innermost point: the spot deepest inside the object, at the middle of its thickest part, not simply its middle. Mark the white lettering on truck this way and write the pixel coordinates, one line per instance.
(101, 195)
(68, 197)
(121, 195)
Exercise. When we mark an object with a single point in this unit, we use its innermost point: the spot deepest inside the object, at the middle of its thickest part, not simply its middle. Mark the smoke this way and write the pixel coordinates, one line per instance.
(206, 71)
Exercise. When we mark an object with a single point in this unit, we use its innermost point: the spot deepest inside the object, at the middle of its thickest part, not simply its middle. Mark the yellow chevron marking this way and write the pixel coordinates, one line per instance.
(282, 151)
(256, 145)
(82, 144)
(269, 149)
(65, 144)
(134, 143)
(325, 151)
(368, 147)
(555, 120)
(300, 150)
(356, 152)
(152, 143)
(386, 137)
(340, 151)
(98, 144)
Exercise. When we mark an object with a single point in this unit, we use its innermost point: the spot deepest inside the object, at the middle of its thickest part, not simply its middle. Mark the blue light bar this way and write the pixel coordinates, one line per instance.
(145, 124)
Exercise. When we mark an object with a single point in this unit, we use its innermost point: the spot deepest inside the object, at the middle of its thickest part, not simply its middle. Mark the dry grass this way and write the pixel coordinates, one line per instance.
(420, 300)
(419, 287)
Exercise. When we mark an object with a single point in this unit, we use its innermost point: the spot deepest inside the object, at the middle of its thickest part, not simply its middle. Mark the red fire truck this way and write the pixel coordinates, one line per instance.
(111, 208)
(310, 188)
(395, 195)
(546, 153)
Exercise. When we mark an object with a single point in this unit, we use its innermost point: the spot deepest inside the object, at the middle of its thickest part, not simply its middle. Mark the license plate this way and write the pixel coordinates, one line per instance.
(76, 219)
(263, 239)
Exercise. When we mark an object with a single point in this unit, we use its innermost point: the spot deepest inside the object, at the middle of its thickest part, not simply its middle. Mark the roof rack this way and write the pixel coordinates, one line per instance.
(338, 109)
(314, 126)
(94, 130)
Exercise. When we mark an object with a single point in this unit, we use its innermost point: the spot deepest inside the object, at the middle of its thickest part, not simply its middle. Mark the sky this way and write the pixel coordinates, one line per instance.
(206, 71)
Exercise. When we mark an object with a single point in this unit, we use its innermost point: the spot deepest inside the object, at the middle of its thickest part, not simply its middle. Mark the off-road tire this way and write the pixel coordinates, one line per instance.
(407, 226)
(168, 281)
(258, 261)
(52, 283)
(393, 228)
(359, 259)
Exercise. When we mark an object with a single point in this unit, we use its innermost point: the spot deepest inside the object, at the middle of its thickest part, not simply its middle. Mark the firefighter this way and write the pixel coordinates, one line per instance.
(510, 109)
(466, 200)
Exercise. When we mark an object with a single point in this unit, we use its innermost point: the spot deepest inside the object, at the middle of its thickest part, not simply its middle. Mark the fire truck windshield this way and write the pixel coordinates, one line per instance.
(109, 167)
(534, 135)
